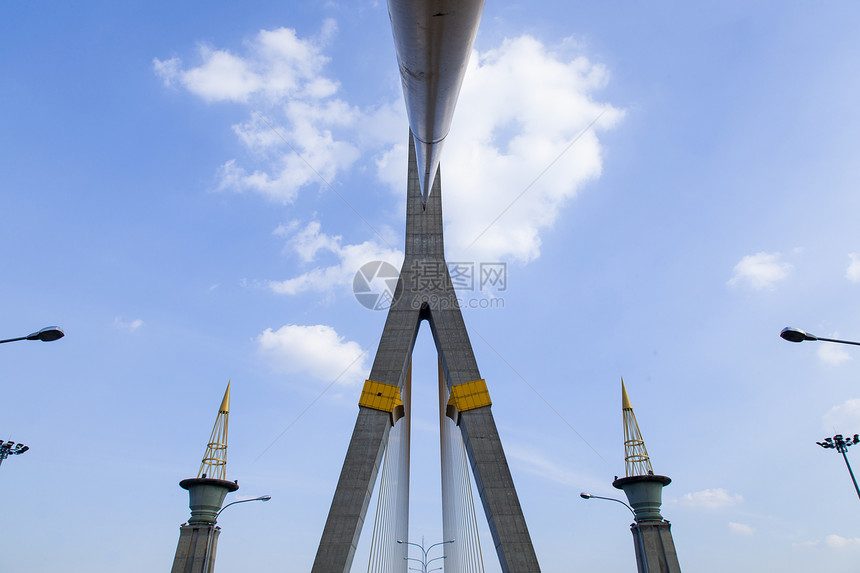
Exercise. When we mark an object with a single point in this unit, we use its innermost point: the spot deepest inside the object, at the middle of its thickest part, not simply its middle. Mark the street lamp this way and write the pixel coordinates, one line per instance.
(635, 524)
(424, 562)
(797, 335)
(47, 334)
(840, 444)
(261, 498)
(212, 527)
(11, 449)
(837, 442)
(584, 495)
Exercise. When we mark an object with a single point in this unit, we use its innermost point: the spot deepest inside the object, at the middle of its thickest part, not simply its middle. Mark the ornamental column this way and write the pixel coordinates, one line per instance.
(198, 537)
(652, 535)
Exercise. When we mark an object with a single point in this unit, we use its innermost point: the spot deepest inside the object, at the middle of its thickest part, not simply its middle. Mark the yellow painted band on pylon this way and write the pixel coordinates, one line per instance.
(379, 396)
(470, 395)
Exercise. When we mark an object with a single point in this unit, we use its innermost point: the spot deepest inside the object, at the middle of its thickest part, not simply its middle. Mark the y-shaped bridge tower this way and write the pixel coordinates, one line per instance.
(424, 292)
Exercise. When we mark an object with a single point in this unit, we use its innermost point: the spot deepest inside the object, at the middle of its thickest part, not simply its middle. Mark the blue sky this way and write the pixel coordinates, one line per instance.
(153, 207)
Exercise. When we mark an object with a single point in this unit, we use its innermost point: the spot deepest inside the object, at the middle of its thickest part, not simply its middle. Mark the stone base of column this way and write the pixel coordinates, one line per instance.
(655, 549)
(195, 552)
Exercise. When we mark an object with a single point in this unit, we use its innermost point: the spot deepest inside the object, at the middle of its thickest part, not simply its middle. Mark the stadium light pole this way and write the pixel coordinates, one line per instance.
(47, 334)
(11, 449)
(841, 445)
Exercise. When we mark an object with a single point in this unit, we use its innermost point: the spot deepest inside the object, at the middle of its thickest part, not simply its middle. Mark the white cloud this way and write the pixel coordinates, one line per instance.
(833, 541)
(852, 273)
(167, 70)
(760, 271)
(281, 75)
(222, 76)
(711, 499)
(498, 147)
(315, 350)
(279, 65)
(839, 542)
(313, 156)
(531, 461)
(741, 528)
(845, 415)
(310, 241)
(833, 353)
(129, 325)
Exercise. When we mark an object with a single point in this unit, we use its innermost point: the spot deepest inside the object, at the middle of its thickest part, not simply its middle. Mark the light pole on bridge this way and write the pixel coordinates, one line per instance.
(425, 553)
(641, 546)
(47, 334)
(584, 495)
(206, 555)
(796, 335)
(837, 442)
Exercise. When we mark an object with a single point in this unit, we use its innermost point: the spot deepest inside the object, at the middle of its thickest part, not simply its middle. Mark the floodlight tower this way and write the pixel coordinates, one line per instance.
(11, 449)
(841, 445)
(198, 538)
(652, 535)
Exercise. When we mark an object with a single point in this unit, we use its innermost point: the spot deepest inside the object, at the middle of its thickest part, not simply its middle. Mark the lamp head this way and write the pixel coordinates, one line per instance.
(796, 335)
(584, 495)
(47, 334)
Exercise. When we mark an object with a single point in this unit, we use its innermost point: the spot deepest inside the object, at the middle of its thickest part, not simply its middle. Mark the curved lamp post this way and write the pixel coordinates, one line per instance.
(47, 334)
(837, 442)
(796, 335)
(209, 537)
(261, 498)
(424, 562)
(584, 495)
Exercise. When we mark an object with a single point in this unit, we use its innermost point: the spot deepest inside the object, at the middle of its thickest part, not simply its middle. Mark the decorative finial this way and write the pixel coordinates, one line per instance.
(636, 460)
(214, 464)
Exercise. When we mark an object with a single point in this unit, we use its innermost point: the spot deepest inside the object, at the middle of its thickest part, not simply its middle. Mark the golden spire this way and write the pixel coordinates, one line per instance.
(636, 460)
(214, 464)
